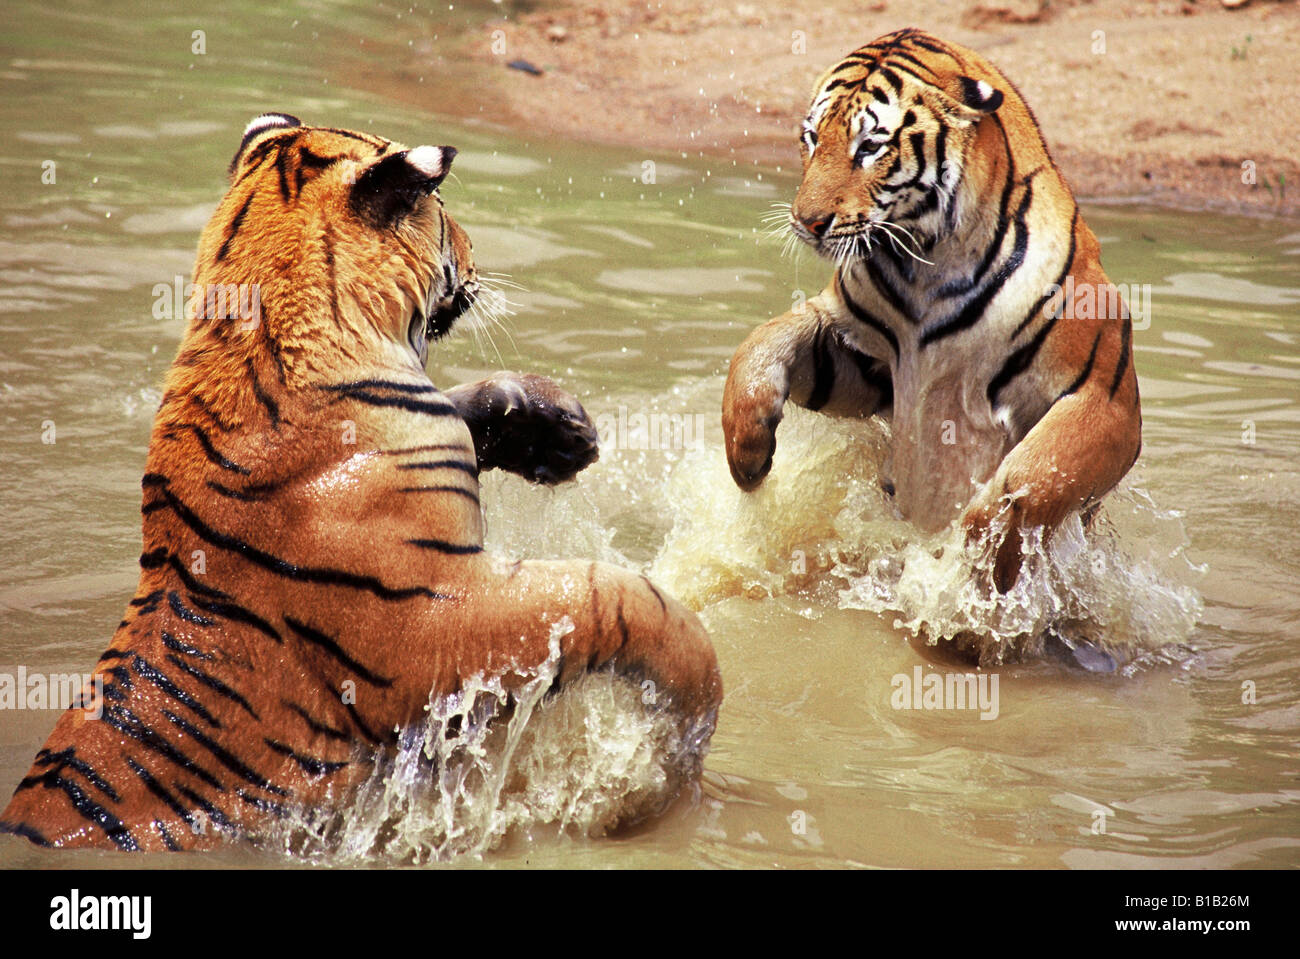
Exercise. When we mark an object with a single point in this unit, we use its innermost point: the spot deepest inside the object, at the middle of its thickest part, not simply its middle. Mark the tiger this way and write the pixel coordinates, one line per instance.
(968, 306)
(313, 568)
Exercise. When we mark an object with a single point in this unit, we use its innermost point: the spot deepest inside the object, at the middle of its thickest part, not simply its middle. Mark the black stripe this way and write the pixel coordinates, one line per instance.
(222, 755)
(1018, 362)
(308, 160)
(442, 546)
(974, 309)
(964, 285)
(174, 644)
(185, 613)
(357, 721)
(879, 95)
(235, 223)
(209, 450)
(149, 600)
(68, 759)
(317, 638)
(372, 141)
(470, 468)
(289, 570)
(663, 607)
(329, 732)
(905, 69)
(917, 140)
(394, 385)
(624, 634)
(404, 403)
(111, 653)
(869, 368)
(125, 721)
(468, 494)
(282, 168)
(248, 494)
(212, 812)
(239, 614)
(1085, 372)
(1058, 286)
(272, 407)
(925, 44)
(310, 765)
(823, 373)
(862, 316)
(1125, 348)
(214, 684)
(24, 830)
(888, 291)
(429, 448)
(171, 844)
(892, 79)
(159, 791)
(190, 583)
(154, 559)
(265, 805)
(113, 827)
(147, 671)
(908, 58)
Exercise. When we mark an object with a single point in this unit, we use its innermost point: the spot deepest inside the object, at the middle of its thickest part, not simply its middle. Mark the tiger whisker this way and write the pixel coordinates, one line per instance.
(892, 230)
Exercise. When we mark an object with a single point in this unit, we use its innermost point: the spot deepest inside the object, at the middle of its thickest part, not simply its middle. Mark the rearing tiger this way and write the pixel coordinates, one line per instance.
(968, 302)
(313, 565)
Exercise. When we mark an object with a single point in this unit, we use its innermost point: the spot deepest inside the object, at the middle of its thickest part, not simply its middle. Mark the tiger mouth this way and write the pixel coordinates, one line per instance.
(434, 318)
(439, 321)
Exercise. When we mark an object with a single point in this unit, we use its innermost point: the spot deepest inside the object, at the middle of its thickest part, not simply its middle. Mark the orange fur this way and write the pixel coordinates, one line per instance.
(926, 180)
(332, 494)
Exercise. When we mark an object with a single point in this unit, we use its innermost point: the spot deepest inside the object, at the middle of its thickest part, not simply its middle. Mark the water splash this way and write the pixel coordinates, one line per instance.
(821, 526)
(487, 761)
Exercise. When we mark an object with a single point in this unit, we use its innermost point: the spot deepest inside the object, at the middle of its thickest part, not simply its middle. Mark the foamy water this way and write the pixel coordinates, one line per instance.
(590, 759)
(819, 528)
(820, 525)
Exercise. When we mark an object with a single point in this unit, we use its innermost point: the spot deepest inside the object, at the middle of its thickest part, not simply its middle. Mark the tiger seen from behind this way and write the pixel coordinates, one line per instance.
(313, 566)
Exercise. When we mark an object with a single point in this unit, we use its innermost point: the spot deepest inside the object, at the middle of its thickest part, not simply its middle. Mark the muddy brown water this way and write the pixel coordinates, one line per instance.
(634, 294)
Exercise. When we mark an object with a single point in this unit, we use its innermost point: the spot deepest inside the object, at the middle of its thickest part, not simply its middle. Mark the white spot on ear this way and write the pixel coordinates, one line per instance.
(433, 162)
(269, 121)
(985, 91)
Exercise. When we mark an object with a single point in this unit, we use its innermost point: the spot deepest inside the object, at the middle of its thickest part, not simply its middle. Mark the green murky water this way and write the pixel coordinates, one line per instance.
(634, 295)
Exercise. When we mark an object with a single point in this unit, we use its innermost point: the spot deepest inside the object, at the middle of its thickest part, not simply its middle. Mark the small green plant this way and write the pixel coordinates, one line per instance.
(1280, 195)
(1239, 53)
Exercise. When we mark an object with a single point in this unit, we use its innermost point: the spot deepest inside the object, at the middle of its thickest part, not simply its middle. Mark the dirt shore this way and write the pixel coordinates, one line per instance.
(1177, 102)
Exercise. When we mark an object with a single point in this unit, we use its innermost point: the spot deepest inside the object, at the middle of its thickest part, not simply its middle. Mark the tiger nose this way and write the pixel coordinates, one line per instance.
(817, 223)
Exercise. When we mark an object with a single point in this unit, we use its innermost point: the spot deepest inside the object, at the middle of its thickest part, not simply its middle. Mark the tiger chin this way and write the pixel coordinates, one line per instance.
(927, 183)
(313, 567)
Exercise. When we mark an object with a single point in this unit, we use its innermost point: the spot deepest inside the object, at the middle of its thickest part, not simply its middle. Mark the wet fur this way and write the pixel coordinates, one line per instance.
(312, 566)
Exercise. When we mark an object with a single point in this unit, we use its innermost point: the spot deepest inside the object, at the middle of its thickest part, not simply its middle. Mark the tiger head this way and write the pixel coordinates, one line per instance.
(887, 141)
(346, 239)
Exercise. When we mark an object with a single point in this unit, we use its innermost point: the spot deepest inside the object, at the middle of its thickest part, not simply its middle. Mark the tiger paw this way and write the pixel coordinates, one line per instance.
(749, 426)
(526, 424)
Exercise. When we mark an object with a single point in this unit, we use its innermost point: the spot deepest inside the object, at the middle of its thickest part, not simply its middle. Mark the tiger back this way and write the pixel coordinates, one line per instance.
(312, 566)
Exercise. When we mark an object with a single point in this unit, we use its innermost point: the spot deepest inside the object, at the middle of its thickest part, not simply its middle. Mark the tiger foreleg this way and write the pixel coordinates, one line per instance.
(800, 356)
(1071, 458)
(509, 614)
(526, 424)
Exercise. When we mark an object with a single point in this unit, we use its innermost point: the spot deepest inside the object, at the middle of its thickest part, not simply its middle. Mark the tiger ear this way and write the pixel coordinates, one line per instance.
(257, 127)
(391, 188)
(967, 100)
(980, 95)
